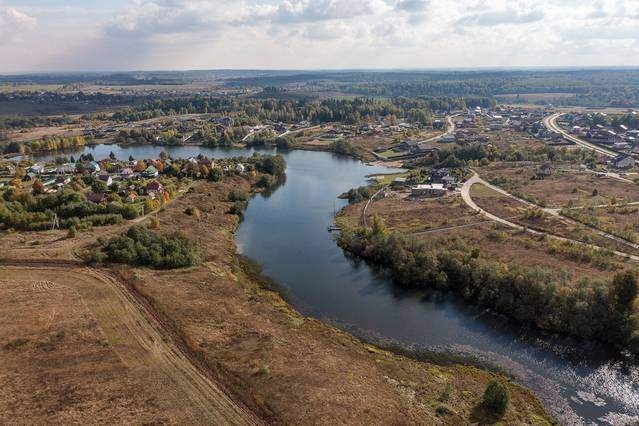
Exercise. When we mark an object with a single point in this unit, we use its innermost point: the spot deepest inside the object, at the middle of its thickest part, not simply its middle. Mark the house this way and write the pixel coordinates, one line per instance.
(96, 197)
(428, 190)
(449, 181)
(408, 146)
(543, 171)
(66, 168)
(437, 175)
(205, 162)
(448, 138)
(150, 172)
(126, 173)
(93, 167)
(154, 186)
(131, 197)
(398, 182)
(622, 162)
(423, 148)
(106, 178)
(36, 169)
(29, 176)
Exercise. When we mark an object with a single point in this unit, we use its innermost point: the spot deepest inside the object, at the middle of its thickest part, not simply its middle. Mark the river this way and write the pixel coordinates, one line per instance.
(286, 233)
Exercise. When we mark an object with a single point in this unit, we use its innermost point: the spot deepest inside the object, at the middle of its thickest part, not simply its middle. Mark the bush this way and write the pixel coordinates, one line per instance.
(238, 208)
(72, 232)
(142, 246)
(237, 195)
(496, 397)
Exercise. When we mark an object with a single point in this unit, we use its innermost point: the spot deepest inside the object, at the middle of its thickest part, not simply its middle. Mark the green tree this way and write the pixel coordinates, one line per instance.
(496, 397)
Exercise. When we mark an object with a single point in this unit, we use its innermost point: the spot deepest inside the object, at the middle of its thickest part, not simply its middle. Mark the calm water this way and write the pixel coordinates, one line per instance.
(139, 152)
(286, 233)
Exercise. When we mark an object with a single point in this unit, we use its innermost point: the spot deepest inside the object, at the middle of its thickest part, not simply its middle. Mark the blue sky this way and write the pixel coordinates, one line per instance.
(93, 35)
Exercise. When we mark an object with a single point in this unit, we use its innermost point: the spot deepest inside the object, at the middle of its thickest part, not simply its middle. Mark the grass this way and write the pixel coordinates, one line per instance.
(388, 179)
(480, 190)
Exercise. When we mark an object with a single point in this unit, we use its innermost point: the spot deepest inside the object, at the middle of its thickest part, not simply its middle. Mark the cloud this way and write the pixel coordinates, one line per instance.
(412, 5)
(500, 17)
(154, 34)
(321, 10)
(13, 23)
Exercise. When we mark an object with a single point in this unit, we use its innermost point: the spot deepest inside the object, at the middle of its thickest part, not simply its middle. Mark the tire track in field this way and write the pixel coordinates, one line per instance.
(120, 312)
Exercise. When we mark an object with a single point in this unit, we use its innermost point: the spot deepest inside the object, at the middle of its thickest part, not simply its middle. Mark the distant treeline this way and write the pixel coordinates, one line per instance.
(589, 308)
(595, 87)
(350, 111)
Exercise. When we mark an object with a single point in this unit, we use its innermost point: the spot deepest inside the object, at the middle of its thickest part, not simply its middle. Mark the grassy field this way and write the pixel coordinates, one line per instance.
(446, 220)
(561, 189)
(10, 88)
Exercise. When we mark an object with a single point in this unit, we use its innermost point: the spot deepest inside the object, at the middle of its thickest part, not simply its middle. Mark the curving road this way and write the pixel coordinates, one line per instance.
(551, 124)
(475, 179)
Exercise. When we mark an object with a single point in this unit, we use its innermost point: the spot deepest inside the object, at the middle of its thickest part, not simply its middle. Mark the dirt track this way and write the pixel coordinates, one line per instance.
(142, 341)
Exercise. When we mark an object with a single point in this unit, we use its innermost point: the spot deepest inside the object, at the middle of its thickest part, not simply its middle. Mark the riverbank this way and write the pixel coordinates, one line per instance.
(220, 321)
(294, 369)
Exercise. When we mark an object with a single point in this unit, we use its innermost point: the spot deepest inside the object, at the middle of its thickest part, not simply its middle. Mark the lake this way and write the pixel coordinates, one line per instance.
(286, 233)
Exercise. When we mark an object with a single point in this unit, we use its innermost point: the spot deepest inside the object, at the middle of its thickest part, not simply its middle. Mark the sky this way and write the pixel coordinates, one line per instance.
(118, 35)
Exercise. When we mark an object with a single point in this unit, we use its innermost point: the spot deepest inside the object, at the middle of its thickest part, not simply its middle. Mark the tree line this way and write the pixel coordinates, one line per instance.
(588, 308)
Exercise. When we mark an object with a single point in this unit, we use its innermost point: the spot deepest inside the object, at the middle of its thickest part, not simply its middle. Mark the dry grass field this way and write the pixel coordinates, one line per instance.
(445, 219)
(562, 188)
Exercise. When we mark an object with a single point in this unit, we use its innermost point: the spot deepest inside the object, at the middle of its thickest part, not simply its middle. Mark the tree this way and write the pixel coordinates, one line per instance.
(496, 397)
(378, 227)
(624, 290)
(38, 187)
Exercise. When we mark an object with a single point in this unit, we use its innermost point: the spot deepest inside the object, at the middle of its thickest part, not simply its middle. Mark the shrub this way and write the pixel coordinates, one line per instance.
(72, 232)
(142, 246)
(496, 397)
(237, 195)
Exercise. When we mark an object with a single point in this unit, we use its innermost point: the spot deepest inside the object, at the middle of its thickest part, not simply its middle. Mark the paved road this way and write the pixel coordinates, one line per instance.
(475, 179)
(551, 124)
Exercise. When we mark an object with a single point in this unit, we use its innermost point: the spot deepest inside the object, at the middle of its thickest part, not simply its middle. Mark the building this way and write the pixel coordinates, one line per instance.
(622, 162)
(428, 190)
(126, 173)
(398, 182)
(151, 172)
(106, 178)
(93, 167)
(448, 138)
(96, 197)
(154, 186)
(543, 171)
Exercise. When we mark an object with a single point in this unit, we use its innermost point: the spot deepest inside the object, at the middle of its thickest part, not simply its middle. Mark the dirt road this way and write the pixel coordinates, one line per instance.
(475, 179)
(142, 340)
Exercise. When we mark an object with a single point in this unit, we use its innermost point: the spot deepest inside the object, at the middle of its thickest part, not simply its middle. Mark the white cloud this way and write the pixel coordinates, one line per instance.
(153, 34)
(13, 23)
(499, 17)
